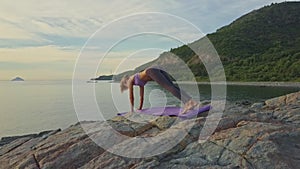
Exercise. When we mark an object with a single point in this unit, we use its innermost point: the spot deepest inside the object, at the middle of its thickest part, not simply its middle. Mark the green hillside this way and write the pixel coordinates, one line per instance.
(263, 45)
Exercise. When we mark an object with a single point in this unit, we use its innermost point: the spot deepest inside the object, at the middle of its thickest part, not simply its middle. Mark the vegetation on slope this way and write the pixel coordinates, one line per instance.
(263, 45)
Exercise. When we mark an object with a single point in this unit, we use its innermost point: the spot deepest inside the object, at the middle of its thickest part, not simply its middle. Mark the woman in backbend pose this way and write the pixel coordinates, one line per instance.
(163, 79)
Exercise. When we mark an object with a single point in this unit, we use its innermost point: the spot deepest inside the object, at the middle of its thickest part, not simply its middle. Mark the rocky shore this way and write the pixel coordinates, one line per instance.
(262, 84)
(262, 135)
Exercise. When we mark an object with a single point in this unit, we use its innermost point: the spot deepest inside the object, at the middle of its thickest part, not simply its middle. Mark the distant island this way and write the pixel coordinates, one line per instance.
(104, 77)
(17, 79)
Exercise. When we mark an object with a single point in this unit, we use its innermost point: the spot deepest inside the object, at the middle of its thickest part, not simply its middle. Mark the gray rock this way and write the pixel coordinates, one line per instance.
(258, 105)
(263, 136)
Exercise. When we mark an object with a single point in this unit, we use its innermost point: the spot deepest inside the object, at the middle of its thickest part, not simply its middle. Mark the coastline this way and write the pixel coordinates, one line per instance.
(261, 84)
(7, 139)
(247, 130)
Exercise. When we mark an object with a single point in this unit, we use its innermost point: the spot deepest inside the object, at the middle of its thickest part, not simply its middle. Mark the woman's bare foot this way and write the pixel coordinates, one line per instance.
(129, 114)
(136, 117)
(191, 104)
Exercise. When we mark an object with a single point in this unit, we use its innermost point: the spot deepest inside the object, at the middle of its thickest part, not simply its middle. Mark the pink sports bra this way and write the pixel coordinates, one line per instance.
(137, 81)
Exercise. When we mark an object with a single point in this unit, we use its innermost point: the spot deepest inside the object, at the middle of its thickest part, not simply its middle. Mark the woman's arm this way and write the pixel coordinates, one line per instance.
(131, 95)
(141, 97)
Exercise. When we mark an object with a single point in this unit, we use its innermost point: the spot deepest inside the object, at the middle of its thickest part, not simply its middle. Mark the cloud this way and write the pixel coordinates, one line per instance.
(43, 21)
(63, 26)
(17, 43)
(62, 23)
(63, 41)
(35, 32)
(9, 31)
(47, 31)
(36, 54)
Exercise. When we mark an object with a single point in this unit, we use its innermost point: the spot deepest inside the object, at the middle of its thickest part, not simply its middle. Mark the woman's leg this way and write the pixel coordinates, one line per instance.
(183, 93)
(162, 78)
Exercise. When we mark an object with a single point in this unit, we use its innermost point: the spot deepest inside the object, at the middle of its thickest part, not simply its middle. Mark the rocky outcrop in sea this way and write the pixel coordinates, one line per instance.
(261, 135)
(17, 79)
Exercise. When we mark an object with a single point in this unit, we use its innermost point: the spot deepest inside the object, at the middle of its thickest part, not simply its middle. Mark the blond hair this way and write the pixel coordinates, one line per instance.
(124, 83)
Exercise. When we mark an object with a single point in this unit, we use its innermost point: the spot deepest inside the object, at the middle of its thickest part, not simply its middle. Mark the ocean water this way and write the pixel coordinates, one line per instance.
(33, 106)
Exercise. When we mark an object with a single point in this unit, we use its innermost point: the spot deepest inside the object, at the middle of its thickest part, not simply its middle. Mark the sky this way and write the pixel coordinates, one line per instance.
(48, 40)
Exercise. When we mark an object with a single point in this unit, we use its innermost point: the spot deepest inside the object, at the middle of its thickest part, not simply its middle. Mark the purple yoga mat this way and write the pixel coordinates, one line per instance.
(171, 111)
